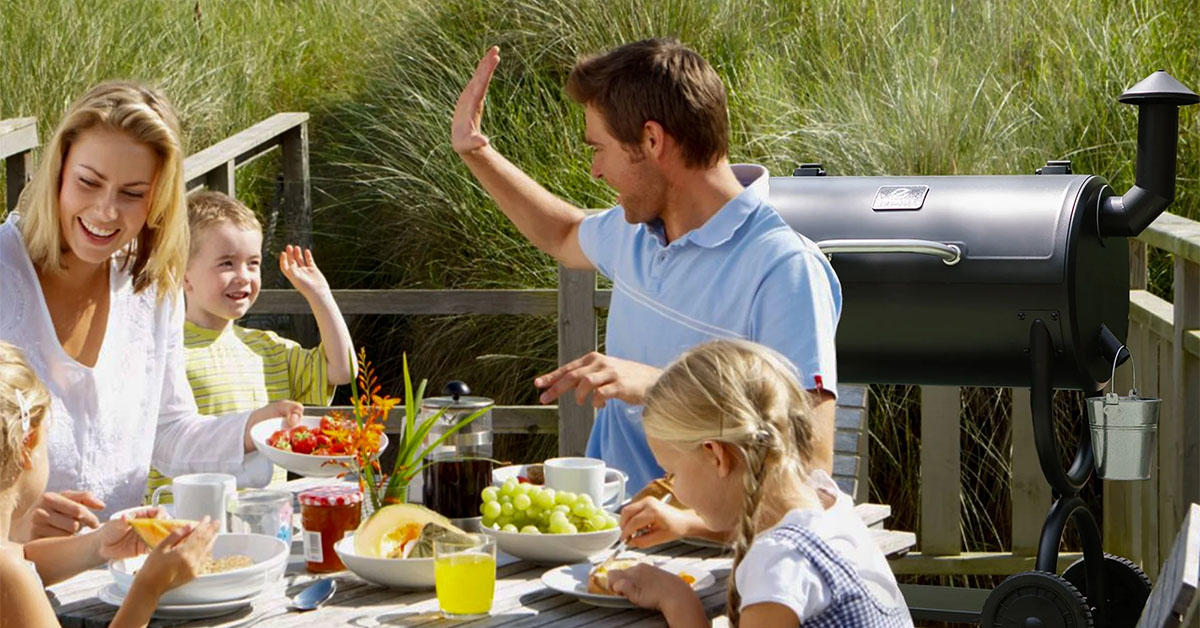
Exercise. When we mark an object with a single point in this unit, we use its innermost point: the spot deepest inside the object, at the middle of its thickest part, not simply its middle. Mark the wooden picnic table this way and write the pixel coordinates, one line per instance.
(521, 599)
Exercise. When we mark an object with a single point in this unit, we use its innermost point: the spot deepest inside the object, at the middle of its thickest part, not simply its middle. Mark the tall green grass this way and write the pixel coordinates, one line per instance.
(865, 87)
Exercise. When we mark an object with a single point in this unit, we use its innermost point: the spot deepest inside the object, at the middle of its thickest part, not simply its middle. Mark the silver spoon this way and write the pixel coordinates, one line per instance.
(311, 598)
(314, 595)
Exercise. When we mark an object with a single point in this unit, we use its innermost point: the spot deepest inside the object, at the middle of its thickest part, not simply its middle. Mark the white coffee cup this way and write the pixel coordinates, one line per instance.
(200, 494)
(577, 475)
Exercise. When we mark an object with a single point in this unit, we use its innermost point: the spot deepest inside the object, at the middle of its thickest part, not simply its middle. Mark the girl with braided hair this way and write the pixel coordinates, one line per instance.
(25, 409)
(731, 422)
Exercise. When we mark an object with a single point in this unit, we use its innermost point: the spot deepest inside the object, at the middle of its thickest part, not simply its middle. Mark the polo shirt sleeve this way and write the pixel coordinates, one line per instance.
(795, 312)
(598, 234)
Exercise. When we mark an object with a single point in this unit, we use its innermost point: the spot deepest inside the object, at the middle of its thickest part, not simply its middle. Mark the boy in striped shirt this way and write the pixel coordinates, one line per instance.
(232, 368)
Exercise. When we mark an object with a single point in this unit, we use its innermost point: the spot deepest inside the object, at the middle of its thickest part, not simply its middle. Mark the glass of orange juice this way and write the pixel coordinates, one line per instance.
(464, 573)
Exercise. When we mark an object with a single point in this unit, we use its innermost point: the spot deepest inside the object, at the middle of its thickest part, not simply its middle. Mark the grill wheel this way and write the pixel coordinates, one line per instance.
(1036, 599)
(1126, 589)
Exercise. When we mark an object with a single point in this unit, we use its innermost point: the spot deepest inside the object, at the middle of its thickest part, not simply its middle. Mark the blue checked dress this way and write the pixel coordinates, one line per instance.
(853, 606)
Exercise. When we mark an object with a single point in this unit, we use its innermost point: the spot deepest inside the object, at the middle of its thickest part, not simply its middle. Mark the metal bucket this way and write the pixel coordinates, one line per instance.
(1124, 432)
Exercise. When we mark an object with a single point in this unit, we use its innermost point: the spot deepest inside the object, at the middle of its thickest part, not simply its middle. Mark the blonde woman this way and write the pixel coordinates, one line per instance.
(91, 265)
(24, 570)
(731, 422)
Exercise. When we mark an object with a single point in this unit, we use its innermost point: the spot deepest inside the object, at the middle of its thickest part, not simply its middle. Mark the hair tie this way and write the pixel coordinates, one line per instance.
(24, 407)
(763, 437)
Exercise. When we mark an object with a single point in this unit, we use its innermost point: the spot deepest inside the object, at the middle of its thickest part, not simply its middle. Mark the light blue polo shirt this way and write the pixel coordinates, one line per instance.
(743, 274)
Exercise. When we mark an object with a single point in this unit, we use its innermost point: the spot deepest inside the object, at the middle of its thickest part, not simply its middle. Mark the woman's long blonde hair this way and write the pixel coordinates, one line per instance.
(158, 255)
(16, 375)
(748, 396)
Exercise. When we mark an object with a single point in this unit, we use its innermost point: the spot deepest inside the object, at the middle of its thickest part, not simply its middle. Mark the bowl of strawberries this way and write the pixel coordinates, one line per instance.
(318, 447)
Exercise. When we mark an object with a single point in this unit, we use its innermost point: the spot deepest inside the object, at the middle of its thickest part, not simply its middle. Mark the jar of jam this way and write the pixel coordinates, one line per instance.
(328, 513)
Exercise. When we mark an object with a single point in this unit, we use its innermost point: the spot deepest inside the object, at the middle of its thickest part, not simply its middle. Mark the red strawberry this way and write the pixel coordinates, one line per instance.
(303, 440)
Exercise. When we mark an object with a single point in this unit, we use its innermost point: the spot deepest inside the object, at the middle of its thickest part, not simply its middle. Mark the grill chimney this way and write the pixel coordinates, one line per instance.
(1158, 98)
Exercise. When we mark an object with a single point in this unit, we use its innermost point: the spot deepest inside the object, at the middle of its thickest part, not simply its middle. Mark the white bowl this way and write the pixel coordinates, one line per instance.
(268, 553)
(556, 549)
(614, 483)
(304, 464)
(404, 573)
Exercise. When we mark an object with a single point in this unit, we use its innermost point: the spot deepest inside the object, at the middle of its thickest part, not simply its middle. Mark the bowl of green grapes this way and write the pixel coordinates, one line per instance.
(542, 525)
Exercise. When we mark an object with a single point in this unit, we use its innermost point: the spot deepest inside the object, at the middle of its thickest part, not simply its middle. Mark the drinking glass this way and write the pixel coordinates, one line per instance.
(464, 574)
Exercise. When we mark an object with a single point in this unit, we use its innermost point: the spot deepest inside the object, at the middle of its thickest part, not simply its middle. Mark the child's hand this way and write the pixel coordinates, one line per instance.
(649, 522)
(298, 266)
(178, 558)
(649, 587)
(291, 412)
(117, 539)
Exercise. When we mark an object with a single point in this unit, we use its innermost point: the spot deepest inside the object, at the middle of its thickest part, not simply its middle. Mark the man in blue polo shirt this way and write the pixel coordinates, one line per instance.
(693, 249)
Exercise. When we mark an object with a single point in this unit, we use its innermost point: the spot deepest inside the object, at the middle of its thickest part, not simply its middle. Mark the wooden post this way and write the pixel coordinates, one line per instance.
(941, 472)
(1187, 377)
(1137, 265)
(221, 179)
(297, 212)
(1142, 339)
(18, 169)
(1030, 492)
(576, 337)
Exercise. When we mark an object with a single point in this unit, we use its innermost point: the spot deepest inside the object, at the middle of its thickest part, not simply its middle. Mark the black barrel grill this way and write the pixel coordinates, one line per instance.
(1000, 281)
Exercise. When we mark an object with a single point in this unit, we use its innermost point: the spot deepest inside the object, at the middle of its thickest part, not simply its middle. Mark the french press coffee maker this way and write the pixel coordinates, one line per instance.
(460, 467)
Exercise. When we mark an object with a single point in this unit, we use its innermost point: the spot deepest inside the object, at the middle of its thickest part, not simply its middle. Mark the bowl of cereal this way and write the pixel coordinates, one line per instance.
(241, 565)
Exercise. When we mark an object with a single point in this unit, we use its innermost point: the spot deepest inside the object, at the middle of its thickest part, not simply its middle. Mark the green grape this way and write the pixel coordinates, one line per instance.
(491, 510)
(506, 508)
(510, 487)
(488, 521)
(584, 498)
(544, 498)
(522, 502)
(557, 517)
(530, 530)
(563, 508)
(612, 521)
(509, 528)
(558, 527)
(526, 489)
(598, 522)
(570, 529)
(534, 514)
(581, 509)
(503, 521)
(564, 497)
(491, 494)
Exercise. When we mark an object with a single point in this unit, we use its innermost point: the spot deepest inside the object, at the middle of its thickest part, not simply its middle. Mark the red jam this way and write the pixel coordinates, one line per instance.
(328, 513)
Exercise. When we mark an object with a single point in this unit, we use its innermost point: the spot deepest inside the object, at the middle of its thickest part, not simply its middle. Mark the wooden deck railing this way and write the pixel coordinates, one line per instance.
(1140, 518)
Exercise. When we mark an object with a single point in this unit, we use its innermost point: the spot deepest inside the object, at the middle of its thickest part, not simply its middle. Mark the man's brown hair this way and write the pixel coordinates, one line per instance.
(207, 208)
(660, 80)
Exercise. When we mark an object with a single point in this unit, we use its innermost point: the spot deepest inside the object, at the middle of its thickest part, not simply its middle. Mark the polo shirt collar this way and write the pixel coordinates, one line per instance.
(723, 224)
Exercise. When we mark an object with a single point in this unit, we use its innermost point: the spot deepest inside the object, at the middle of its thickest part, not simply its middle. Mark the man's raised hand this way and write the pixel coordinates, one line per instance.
(466, 134)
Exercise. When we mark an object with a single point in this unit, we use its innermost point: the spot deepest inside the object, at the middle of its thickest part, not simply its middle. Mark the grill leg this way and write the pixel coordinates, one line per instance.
(1065, 484)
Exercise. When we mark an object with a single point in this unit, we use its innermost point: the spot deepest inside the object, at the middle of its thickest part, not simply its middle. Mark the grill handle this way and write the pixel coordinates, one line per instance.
(950, 254)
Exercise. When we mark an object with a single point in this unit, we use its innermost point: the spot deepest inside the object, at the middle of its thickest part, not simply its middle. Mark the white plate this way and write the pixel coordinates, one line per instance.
(573, 580)
(614, 480)
(270, 560)
(111, 594)
(554, 549)
(303, 464)
(404, 573)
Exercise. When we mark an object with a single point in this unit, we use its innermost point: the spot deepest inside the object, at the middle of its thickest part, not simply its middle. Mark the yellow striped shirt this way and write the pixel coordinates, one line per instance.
(239, 369)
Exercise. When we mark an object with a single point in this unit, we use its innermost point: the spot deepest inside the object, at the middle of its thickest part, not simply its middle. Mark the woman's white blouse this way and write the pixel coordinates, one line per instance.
(134, 408)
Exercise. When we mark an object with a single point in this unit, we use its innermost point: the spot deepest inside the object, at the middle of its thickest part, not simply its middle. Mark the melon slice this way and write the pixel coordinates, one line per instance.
(387, 532)
(153, 531)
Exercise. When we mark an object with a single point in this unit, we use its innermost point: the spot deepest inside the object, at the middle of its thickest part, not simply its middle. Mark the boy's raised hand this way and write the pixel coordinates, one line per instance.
(298, 266)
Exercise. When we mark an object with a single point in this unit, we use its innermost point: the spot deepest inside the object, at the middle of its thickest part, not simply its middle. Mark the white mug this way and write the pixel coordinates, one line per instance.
(577, 475)
(200, 494)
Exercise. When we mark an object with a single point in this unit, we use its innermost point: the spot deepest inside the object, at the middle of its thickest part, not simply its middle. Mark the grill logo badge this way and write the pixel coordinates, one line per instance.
(900, 197)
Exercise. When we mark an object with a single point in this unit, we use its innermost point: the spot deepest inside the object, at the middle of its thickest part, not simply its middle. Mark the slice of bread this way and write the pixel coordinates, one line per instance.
(598, 578)
(153, 531)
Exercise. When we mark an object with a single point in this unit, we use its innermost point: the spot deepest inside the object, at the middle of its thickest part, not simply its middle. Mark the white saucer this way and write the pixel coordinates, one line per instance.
(573, 579)
(112, 595)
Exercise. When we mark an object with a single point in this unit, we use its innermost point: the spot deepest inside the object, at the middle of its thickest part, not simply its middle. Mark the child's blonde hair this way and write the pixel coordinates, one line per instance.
(748, 396)
(207, 208)
(16, 375)
(157, 256)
